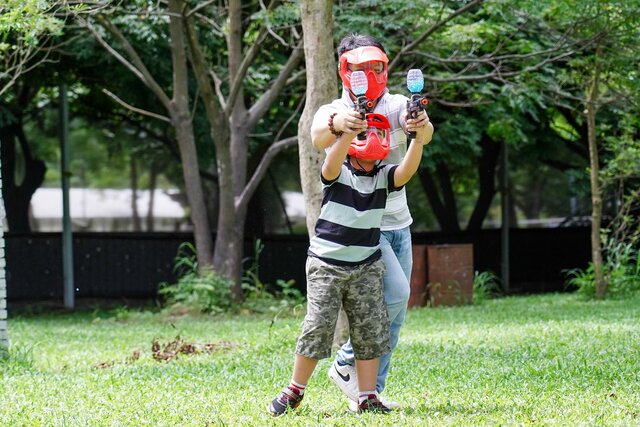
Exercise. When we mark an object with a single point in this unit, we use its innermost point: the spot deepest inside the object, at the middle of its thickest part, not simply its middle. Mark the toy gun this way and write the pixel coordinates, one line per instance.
(359, 86)
(417, 102)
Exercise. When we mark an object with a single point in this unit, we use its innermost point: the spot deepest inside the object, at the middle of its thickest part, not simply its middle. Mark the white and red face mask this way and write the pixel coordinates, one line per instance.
(373, 62)
(377, 143)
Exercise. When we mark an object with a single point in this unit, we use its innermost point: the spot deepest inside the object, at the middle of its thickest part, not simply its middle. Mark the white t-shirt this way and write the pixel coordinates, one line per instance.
(396, 212)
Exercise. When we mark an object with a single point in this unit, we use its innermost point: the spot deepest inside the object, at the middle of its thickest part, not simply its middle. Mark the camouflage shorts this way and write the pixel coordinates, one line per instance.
(359, 289)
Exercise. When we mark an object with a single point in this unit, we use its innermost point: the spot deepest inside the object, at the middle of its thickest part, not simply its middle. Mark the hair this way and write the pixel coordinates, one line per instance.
(355, 40)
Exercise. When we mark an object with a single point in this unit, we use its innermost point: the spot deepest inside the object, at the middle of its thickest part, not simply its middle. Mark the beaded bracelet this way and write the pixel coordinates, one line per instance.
(333, 130)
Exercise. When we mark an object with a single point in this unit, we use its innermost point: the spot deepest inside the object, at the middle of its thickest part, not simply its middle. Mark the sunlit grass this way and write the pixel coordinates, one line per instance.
(541, 360)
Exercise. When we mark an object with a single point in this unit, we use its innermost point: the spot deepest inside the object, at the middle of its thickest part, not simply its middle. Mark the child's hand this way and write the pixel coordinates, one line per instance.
(350, 122)
(422, 126)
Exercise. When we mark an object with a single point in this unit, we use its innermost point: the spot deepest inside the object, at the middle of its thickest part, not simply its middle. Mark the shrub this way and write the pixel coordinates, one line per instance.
(261, 297)
(621, 272)
(209, 292)
(200, 292)
(485, 285)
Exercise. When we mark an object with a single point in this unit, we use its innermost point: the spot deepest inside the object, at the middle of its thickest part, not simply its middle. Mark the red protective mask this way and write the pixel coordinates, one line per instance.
(376, 145)
(367, 56)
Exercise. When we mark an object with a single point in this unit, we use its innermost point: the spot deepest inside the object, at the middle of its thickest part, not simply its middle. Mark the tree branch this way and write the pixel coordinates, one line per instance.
(236, 83)
(136, 66)
(261, 105)
(261, 170)
(435, 27)
(135, 109)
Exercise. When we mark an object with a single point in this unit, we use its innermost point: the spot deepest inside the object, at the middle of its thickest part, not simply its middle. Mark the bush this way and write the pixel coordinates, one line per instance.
(485, 285)
(261, 297)
(621, 272)
(206, 292)
(209, 292)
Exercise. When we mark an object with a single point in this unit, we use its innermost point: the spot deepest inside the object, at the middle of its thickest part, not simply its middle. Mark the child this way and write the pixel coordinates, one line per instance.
(344, 264)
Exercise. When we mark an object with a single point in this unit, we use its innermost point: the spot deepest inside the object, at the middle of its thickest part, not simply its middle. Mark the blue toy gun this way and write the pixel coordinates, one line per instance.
(417, 102)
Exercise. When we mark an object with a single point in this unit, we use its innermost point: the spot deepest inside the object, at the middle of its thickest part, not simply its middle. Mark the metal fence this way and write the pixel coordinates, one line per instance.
(132, 265)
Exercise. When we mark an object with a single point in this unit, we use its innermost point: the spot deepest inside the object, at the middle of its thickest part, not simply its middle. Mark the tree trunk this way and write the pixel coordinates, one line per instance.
(18, 195)
(487, 165)
(317, 27)
(181, 120)
(596, 197)
(153, 179)
(443, 207)
(134, 193)
(230, 126)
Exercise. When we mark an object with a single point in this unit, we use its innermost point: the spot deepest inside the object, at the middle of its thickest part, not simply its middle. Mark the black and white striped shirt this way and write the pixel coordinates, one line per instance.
(348, 228)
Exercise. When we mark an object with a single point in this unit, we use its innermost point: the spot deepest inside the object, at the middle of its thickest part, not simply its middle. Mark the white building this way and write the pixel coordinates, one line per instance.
(111, 209)
(106, 210)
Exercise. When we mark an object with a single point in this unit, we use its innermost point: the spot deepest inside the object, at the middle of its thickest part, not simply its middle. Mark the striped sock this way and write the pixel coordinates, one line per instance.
(364, 395)
(297, 388)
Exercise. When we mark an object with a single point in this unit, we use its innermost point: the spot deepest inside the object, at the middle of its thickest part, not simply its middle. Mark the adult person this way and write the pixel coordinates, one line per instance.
(364, 52)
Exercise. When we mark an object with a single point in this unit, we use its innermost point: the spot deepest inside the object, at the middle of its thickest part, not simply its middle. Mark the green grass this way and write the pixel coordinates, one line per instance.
(523, 361)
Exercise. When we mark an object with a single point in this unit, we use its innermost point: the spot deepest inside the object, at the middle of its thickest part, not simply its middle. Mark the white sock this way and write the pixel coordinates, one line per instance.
(364, 395)
(298, 388)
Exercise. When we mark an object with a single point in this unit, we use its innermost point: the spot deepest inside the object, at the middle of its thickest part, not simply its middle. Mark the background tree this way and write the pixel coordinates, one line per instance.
(316, 17)
(602, 77)
(230, 120)
(26, 31)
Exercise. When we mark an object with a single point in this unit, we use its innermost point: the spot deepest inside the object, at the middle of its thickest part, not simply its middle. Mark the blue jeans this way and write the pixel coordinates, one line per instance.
(398, 260)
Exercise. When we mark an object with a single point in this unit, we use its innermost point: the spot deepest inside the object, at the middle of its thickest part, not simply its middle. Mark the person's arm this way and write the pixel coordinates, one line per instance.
(332, 165)
(411, 161)
(346, 120)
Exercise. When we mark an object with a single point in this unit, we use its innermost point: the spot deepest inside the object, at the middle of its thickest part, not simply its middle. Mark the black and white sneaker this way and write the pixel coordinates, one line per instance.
(286, 400)
(391, 404)
(346, 378)
(372, 404)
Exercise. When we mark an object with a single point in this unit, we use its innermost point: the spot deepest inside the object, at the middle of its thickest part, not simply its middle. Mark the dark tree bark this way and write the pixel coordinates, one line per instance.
(17, 195)
(440, 196)
(487, 165)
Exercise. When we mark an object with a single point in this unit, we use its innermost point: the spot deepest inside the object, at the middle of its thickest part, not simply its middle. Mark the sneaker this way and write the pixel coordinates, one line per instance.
(372, 404)
(345, 377)
(286, 400)
(391, 404)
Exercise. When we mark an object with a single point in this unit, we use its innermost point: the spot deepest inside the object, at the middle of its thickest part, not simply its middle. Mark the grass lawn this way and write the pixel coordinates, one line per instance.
(541, 360)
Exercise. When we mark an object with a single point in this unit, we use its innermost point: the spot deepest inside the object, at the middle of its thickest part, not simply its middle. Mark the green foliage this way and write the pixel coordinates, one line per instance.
(261, 297)
(196, 292)
(485, 286)
(621, 271)
(210, 293)
(29, 19)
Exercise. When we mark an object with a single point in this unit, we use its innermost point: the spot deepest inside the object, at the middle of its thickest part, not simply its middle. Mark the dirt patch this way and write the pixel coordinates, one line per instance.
(172, 349)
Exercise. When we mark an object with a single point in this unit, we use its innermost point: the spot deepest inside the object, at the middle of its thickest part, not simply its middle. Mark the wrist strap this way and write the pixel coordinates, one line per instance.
(333, 130)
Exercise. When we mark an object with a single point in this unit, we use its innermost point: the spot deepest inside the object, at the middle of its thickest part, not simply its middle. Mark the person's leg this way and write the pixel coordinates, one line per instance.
(367, 374)
(324, 293)
(369, 331)
(302, 369)
(398, 260)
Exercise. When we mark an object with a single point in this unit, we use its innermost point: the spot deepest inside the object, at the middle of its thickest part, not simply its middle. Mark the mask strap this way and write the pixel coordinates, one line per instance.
(362, 168)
